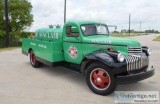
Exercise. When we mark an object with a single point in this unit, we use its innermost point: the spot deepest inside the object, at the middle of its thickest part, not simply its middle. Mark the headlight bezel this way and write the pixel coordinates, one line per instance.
(149, 51)
(120, 57)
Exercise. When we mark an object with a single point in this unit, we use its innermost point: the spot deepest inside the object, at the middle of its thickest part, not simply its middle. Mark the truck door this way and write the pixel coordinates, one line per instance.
(72, 44)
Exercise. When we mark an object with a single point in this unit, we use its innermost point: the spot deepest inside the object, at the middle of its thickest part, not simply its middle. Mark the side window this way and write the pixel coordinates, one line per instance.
(89, 29)
(72, 31)
(101, 29)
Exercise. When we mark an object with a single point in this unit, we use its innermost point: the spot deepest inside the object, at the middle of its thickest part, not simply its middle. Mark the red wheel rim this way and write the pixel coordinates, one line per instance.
(100, 79)
(32, 58)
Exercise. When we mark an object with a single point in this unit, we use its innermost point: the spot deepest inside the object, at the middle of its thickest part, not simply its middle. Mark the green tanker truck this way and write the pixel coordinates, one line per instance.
(87, 47)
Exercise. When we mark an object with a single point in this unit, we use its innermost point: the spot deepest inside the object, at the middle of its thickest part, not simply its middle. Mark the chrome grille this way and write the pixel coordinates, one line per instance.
(134, 50)
(136, 63)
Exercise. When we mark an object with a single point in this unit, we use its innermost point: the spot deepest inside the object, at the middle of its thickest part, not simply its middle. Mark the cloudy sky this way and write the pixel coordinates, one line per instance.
(111, 12)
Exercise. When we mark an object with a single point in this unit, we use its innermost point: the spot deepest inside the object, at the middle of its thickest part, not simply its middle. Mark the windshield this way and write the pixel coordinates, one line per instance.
(94, 29)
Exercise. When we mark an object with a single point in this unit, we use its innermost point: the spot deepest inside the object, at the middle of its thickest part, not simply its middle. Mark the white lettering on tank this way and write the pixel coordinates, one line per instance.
(42, 46)
(40, 35)
(49, 35)
(44, 35)
(56, 36)
(52, 34)
(33, 44)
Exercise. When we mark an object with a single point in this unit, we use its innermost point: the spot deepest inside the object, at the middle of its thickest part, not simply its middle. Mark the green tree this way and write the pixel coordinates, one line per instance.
(20, 17)
(1, 18)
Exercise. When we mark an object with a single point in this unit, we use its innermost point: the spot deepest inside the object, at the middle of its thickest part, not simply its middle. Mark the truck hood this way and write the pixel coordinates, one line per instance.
(110, 40)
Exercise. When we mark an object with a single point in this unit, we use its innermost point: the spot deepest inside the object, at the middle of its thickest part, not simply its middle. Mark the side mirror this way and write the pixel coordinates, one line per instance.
(74, 30)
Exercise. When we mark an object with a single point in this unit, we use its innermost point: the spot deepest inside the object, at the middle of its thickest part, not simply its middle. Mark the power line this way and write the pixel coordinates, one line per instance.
(129, 23)
(140, 25)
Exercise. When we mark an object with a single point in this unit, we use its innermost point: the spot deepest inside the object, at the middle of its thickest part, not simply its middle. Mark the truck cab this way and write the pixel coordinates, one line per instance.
(103, 59)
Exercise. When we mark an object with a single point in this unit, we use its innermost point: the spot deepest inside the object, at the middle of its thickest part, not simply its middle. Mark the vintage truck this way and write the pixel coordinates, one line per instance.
(87, 47)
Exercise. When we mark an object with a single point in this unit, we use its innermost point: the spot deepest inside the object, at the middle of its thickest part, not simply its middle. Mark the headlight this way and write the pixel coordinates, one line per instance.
(120, 57)
(149, 51)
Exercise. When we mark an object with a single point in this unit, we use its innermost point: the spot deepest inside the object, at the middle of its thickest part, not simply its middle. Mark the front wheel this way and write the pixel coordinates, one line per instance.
(100, 79)
(33, 60)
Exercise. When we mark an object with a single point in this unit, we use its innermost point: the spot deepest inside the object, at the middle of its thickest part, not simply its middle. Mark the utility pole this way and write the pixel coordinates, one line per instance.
(64, 11)
(129, 23)
(140, 26)
(6, 23)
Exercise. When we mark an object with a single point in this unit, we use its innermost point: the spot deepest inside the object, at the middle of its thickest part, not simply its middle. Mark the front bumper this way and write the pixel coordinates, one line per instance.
(136, 77)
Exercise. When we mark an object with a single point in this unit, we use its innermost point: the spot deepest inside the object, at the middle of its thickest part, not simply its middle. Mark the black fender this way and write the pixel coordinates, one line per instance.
(107, 58)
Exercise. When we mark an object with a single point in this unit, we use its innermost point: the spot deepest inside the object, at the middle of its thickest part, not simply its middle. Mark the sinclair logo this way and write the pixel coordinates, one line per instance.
(73, 53)
(48, 35)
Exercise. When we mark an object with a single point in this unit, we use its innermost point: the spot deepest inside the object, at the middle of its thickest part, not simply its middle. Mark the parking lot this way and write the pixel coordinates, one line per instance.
(20, 83)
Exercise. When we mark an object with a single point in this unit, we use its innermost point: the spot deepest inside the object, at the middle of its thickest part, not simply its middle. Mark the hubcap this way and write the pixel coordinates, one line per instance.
(100, 79)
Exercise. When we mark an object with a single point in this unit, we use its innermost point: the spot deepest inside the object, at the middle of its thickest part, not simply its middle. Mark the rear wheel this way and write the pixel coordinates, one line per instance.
(33, 60)
(100, 79)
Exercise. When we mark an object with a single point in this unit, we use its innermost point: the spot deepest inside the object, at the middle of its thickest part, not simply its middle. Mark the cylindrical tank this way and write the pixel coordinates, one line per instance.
(49, 34)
